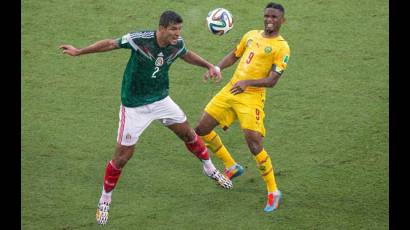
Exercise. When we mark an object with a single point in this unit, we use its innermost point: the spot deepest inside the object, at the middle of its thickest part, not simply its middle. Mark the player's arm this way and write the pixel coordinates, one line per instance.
(99, 46)
(228, 60)
(268, 82)
(194, 59)
(278, 67)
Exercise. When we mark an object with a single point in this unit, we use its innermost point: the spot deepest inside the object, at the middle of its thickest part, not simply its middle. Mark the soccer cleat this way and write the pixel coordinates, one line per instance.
(220, 179)
(102, 213)
(273, 201)
(234, 171)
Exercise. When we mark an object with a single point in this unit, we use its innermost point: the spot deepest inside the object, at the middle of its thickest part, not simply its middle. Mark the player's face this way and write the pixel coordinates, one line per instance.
(273, 19)
(172, 33)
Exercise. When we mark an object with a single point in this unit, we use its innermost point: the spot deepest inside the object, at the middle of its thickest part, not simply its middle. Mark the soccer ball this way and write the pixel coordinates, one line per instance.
(219, 21)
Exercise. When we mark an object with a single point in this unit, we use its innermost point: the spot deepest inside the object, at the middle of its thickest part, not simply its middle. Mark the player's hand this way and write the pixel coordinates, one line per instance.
(239, 87)
(213, 73)
(70, 50)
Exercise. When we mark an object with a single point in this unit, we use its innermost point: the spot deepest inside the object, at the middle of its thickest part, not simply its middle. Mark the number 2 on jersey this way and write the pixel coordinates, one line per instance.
(155, 71)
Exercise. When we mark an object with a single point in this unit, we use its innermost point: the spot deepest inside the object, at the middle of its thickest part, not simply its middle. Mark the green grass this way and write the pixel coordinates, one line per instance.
(326, 120)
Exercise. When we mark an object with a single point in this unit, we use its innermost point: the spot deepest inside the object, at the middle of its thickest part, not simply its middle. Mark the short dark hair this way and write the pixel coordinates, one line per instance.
(276, 6)
(169, 17)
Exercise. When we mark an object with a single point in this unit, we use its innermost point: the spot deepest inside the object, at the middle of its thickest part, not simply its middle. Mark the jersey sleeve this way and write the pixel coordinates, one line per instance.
(281, 60)
(123, 42)
(240, 48)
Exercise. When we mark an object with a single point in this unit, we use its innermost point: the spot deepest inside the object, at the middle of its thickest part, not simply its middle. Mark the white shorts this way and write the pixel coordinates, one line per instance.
(133, 121)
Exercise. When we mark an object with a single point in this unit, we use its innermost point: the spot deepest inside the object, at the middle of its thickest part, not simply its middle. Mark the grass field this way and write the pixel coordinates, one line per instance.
(326, 120)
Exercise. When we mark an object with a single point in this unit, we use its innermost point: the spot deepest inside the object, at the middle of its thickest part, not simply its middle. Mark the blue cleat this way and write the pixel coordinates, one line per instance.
(273, 201)
(234, 171)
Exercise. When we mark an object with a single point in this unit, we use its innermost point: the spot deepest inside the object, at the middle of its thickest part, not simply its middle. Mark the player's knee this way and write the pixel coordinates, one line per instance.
(254, 141)
(186, 135)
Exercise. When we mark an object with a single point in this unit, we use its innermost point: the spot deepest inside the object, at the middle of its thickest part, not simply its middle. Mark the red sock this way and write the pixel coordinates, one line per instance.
(112, 174)
(198, 148)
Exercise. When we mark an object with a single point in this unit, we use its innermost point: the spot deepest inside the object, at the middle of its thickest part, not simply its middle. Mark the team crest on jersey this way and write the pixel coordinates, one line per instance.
(268, 49)
(249, 42)
(160, 59)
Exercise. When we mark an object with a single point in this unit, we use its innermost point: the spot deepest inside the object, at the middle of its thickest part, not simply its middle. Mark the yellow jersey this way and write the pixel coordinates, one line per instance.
(260, 55)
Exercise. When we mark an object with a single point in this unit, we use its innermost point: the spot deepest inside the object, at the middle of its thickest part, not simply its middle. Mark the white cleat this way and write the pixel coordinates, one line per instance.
(102, 213)
(220, 179)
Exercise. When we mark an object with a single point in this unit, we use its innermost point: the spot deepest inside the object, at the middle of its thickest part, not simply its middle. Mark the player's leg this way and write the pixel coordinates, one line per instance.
(205, 129)
(131, 125)
(196, 146)
(171, 115)
(254, 140)
(113, 171)
(219, 111)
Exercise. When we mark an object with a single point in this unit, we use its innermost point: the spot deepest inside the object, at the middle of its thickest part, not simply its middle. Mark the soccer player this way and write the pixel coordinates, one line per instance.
(263, 55)
(144, 97)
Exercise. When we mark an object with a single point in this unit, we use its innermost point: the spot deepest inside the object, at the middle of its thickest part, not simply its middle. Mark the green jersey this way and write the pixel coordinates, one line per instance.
(146, 75)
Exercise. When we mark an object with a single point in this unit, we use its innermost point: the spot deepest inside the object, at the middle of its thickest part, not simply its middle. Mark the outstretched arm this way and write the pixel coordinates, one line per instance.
(194, 59)
(99, 46)
(227, 61)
